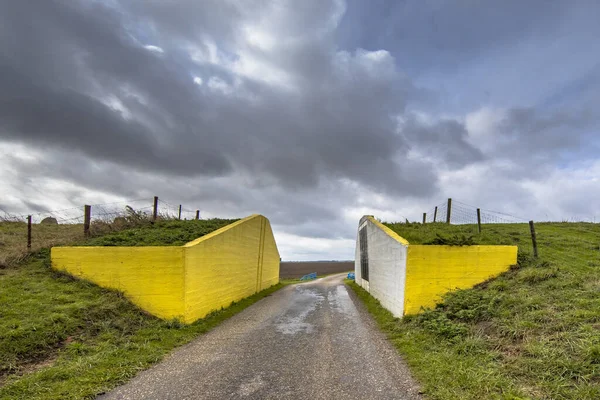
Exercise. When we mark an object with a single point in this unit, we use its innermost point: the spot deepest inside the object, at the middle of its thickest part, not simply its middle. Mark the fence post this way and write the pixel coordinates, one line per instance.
(479, 220)
(449, 211)
(197, 214)
(533, 239)
(424, 218)
(87, 216)
(155, 209)
(435, 214)
(29, 233)
(179, 217)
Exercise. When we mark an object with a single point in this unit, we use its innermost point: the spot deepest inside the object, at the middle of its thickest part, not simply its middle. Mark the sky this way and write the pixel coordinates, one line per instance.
(312, 113)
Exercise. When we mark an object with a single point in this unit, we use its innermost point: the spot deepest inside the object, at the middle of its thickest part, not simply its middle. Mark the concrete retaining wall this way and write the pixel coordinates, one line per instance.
(406, 278)
(185, 282)
(387, 265)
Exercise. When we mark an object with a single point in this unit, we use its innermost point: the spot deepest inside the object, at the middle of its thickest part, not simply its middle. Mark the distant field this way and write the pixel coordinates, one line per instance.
(532, 333)
(297, 269)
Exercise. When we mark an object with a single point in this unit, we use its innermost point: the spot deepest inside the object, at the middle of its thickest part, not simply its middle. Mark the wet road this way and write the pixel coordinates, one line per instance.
(307, 341)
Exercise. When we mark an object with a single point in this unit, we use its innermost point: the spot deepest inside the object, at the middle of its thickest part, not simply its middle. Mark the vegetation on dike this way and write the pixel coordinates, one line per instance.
(532, 333)
(161, 233)
(65, 338)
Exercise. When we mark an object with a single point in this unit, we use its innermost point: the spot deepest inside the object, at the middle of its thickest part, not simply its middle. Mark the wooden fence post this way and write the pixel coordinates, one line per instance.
(29, 233)
(435, 214)
(424, 218)
(179, 217)
(533, 239)
(87, 216)
(155, 209)
(197, 214)
(449, 211)
(479, 220)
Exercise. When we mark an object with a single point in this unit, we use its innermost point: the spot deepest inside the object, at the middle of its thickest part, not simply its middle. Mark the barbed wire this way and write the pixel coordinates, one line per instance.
(105, 212)
(463, 213)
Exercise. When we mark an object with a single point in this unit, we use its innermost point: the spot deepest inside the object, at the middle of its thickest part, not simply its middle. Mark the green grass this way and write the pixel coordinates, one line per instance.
(532, 333)
(13, 239)
(62, 338)
(161, 233)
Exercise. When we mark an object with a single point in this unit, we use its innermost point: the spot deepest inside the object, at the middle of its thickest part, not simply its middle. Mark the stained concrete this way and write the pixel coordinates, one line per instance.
(307, 341)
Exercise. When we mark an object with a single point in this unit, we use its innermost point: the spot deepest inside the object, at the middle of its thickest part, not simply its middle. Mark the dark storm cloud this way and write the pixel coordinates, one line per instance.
(73, 66)
(447, 33)
(446, 140)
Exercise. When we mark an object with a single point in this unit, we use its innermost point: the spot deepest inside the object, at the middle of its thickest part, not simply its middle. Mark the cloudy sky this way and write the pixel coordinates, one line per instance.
(310, 112)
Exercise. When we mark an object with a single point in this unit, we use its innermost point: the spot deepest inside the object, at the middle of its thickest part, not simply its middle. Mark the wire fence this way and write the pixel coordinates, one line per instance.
(106, 212)
(462, 213)
(21, 234)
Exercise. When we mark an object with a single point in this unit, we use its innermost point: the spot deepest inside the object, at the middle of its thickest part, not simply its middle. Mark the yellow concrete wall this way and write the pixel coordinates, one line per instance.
(151, 277)
(185, 282)
(228, 265)
(432, 271)
(270, 259)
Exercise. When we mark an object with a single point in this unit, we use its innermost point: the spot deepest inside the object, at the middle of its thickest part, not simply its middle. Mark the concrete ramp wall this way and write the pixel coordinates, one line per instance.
(185, 282)
(406, 278)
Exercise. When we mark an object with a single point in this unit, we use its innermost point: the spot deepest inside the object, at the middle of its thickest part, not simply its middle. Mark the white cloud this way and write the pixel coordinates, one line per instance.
(219, 85)
(298, 248)
(154, 49)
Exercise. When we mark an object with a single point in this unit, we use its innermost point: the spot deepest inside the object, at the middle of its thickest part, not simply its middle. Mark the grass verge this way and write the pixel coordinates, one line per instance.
(531, 333)
(62, 338)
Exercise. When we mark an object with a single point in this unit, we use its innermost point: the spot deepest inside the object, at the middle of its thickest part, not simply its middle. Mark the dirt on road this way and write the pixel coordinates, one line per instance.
(307, 341)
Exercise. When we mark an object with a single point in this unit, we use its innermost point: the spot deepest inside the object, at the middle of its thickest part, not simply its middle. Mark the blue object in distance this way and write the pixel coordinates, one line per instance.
(308, 277)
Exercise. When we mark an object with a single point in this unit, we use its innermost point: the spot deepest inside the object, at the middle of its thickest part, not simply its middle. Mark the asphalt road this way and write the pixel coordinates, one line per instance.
(307, 341)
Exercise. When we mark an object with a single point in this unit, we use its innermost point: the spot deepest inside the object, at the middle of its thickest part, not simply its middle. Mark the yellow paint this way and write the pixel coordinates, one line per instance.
(229, 265)
(388, 231)
(152, 277)
(432, 271)
(185, 282)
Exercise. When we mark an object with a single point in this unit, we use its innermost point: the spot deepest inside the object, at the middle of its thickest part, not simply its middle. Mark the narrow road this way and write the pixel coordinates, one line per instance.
(307, 341)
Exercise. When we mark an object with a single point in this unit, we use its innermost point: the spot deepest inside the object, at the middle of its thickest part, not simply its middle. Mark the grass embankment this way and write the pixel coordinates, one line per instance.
(161, 233)
(63, 338)
(132, 230)
(532, 333)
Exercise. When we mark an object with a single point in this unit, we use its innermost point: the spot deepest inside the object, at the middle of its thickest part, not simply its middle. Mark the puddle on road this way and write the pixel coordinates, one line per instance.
(305, 301)
(340, 300)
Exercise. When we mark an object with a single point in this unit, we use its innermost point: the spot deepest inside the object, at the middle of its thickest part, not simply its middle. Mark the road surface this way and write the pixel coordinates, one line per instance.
(307, 341)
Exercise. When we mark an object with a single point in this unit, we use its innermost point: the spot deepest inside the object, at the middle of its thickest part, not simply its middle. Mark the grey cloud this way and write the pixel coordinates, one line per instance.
(341, 112)
(531, 137)
(446, 140)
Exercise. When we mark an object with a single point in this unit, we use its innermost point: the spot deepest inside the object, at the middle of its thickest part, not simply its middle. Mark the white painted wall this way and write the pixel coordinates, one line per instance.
(387, 267)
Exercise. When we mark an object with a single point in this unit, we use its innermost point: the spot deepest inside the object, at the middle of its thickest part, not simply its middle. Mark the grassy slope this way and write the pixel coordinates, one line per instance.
(13, 239)
(534, 332)
(63, 338)
(162, 233)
